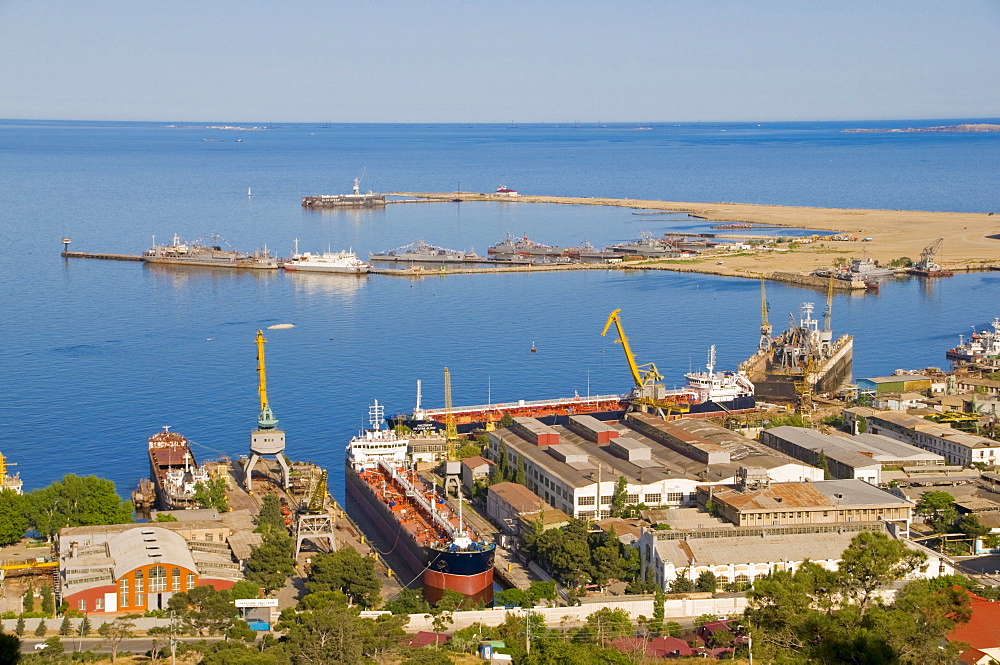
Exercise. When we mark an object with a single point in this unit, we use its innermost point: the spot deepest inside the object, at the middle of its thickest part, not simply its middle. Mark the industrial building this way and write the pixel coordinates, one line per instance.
(576, 468)
(956, 446)
(138, 567)
(862, 456)
(744, 555)
(825, 502)
(900, 383)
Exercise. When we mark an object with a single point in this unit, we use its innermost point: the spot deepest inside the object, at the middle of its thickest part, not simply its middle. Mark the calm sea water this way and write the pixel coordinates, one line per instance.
(98, 355)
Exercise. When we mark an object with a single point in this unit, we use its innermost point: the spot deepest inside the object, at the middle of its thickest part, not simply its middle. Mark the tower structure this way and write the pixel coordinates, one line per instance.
(267, 440)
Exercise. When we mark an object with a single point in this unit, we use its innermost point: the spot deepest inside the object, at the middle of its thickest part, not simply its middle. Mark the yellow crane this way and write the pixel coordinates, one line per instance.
(450, 431)
(648, 393)
(266, 419)
(652, 374)
(765, 326)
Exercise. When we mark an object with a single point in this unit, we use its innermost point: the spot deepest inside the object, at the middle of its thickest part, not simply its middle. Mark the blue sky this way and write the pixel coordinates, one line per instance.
(546, 61)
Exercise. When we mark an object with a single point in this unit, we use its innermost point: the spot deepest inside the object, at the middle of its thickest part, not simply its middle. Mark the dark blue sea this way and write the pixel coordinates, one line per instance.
(98, 355)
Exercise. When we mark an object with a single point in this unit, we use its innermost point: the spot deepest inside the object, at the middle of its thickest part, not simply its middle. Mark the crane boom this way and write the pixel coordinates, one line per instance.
(765, 326)
(266, 419)
(828, 313)
(652, 374)
(451, 432)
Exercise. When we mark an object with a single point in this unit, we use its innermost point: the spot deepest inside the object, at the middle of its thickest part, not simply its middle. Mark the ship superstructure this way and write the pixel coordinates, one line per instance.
(211, 255)
(413, 518)
(801, 361)
(981, 345)
(174, 470)
(10, 482)
(338, 262)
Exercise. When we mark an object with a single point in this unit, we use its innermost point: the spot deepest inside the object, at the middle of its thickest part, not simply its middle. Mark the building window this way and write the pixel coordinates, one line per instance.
(139, 588)
(585, 501)
(632, 498)
(208, 537)
(175, 579)
(140, 600)
(653, 498)
(605, 499)
(587, 515)
(123, 592)
(157, 579)
(99, 604)
(190, 581)
(82, 605)
(675, 497)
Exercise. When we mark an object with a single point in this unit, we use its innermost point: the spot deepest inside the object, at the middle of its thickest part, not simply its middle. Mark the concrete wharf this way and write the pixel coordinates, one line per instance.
(102, 256)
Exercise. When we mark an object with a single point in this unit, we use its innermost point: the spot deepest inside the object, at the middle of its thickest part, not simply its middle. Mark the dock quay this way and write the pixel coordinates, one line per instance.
(101, 256)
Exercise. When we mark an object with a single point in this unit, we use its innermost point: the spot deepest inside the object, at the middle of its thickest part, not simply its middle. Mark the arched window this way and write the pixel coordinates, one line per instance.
(175, 579)
(157, 579)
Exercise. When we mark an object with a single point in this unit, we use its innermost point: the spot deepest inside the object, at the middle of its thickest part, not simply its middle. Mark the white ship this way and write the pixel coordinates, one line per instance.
(376, 444)
(718, 387)
(344, 262)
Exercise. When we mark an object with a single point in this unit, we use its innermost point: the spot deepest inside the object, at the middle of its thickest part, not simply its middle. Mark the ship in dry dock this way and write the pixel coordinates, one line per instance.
(412, 518)
(174, 471)
(803, 360)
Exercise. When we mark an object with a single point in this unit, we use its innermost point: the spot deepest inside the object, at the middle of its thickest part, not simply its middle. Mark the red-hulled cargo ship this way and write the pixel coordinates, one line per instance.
(413, 520)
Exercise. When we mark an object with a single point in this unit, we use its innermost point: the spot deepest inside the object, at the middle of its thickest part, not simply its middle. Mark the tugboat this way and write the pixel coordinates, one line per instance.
(412, 517)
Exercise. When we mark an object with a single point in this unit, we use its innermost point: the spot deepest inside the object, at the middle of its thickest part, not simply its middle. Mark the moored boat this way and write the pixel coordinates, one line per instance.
(174, 471)
(340, 262)
(421, 251)
(212, 255)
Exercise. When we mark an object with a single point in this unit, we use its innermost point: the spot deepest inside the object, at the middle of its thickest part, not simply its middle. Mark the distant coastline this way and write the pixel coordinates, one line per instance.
(978, 127)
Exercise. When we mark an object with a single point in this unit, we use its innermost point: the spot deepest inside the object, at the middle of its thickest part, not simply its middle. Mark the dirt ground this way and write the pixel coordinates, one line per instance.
(971, 240)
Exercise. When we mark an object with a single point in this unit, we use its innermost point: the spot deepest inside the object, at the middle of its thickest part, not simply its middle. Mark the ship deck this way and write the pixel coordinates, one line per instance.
(425, 531)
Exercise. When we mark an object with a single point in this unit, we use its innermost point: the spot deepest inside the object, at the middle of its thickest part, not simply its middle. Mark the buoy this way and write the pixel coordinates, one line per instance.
(533, 349)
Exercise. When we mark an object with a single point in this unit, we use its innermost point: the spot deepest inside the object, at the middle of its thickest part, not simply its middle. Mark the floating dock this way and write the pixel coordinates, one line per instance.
(103, 256)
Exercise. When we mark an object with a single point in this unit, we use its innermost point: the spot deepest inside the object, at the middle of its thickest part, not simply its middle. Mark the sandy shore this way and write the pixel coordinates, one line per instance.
(894, 233)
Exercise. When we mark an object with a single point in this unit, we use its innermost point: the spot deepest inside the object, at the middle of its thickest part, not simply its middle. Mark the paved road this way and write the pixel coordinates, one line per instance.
(96, 644)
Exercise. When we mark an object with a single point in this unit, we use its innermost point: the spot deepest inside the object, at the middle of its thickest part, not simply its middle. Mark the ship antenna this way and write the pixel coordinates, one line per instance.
(266, 419)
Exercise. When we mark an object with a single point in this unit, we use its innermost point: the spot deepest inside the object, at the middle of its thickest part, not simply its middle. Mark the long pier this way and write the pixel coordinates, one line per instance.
(102, 256)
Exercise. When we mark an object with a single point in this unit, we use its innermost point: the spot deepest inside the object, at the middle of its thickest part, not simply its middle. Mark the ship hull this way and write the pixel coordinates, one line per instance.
(707, 409)
(345, 270)
(468, 573)
(208, 263)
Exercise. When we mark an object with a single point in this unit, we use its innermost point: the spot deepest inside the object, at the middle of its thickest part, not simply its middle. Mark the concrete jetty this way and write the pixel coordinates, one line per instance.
(104, 256)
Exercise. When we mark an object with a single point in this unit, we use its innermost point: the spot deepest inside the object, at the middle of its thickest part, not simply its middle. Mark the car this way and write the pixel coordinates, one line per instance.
(41, 645)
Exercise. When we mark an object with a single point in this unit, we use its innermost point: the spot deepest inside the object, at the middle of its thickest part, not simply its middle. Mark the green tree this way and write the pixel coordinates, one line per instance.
(28, 601)
(501, 471)
(408, 601)
(19, 626)
(538, 590)
(336, 634)
(706, 581)
(970, 525)
(115, 632)
(346, 570)
(10, 649)
(619, 497)
(76, 501)
(940, 509)
(682, 583)
(270, 516)
(506, 420)
(815, 615)
(823, 463)
(165, 517)
(520, 476)
(41, 628)
(84, 628)
(212, 494)
(659, 611)
(48, 601)
(608, 624)
(13, 521)
(271, 563)
(203, 610)
(65, 628)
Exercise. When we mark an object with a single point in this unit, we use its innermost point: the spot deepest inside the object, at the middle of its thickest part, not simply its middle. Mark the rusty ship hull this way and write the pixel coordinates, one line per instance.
(407, 539)
(826, 376)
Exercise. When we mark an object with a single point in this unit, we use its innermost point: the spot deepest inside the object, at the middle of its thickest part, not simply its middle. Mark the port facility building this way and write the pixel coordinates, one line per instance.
(576, 467)
(809, 503)
(118, 568)
(901, 383)
(740, 556)
(862, 456)
(958, 447)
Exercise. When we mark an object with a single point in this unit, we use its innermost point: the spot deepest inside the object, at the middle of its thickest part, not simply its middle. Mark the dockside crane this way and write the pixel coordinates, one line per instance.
(765, 326)
(927, 255)
(648, 394)
(450, 430)
(267, 440)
